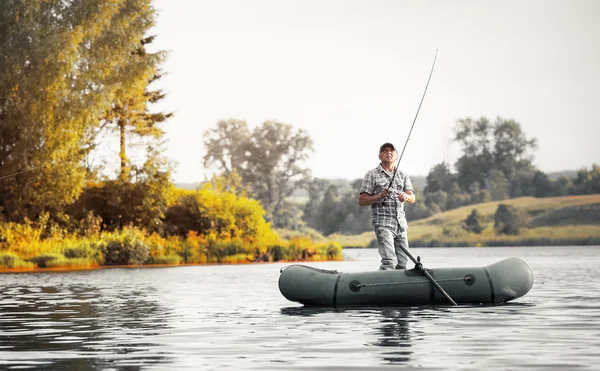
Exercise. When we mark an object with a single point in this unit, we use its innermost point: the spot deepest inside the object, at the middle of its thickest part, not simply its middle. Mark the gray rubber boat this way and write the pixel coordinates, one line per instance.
(496, 283)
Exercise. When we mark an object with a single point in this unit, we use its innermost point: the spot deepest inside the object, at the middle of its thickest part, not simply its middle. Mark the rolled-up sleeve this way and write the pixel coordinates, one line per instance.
(408, 184)
(368, 184)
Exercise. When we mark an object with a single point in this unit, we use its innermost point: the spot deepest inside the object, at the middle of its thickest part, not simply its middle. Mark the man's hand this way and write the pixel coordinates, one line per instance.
(384, 194)
(406, 197)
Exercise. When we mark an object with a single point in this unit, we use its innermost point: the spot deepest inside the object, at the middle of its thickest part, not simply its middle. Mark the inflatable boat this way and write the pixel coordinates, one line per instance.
(496, 283)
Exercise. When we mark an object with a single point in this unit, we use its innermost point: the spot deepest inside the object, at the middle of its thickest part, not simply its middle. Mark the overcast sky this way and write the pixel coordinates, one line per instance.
(352, 74)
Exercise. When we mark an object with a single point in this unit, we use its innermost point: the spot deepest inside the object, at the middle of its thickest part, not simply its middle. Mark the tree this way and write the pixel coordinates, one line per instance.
(507, 220)
(60, 68)
(130, 114)
(486, 147)
(497, 185)
(511, 148)
(331, 216)
(316, 188)
(587, 182)
(227, 146)
(542, 185)
(270, 159)
(439, 178)
(474, 222)
(477, 159)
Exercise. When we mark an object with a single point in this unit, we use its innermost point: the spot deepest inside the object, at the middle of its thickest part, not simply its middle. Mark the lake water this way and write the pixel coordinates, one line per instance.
(234, 317)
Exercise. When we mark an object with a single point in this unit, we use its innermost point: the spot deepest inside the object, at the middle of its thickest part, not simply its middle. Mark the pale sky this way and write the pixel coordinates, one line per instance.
(352, 73)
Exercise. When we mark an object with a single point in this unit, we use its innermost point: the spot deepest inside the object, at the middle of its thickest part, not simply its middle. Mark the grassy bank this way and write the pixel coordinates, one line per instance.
(569, 220)
(26, 248)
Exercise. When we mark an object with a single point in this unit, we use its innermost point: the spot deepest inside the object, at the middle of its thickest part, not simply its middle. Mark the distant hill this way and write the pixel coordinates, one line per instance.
(571, 219)
(567, 173)
(568, 220)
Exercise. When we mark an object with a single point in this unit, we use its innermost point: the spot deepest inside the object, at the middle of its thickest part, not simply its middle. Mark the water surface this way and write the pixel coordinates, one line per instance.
(234, 317)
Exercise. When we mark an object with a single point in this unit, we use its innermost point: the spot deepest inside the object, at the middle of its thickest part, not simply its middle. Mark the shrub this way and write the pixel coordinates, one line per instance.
(44, 260)
(474, 222)
(128, 248)
(507, 220)
(12, 260)
(277, 252)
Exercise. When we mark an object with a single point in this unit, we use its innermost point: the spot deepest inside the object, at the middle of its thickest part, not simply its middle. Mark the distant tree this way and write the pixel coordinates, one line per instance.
(587, 181)
(507, 220)
(542, 185)
(331, 216)
(522, 183)
(439, 178)
(270, 159)
(478, 195)
(477, 159)
(563, 186)
(474, 222)
(511, 148)
(500, 146)
(316, 188)
(497, 185)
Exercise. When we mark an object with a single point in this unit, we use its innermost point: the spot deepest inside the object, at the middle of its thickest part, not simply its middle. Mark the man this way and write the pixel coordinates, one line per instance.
(387, 207)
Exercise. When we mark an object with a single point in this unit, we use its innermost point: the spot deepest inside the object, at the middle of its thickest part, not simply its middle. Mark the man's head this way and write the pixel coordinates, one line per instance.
(387, 153)
(386, 146)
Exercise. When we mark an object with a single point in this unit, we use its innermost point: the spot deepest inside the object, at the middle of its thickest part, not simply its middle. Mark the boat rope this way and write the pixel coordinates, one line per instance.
(466, 279)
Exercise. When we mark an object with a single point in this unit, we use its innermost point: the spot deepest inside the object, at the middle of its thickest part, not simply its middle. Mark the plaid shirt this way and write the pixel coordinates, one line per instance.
(388, 212)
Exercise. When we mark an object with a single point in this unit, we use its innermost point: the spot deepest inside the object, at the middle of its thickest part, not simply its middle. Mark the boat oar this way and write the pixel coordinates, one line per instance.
(426, 273)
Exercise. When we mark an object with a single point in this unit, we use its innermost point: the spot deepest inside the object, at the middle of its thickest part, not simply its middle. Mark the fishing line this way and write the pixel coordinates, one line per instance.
(415, 120)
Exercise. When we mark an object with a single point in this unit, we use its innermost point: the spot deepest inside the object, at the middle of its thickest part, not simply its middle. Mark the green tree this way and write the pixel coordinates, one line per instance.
(270, 159)
(497, 185)
(474, 222)
(507, 220)
(511, 148)
(316, 188)
(542, 185)
(60, 70)
(501, 146)
(475, 137)
(439, 178)
(587, 181)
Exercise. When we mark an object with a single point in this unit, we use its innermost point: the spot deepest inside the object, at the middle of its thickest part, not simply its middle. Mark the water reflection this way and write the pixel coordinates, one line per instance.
(393, 332)
(78, 327)
(395, 335)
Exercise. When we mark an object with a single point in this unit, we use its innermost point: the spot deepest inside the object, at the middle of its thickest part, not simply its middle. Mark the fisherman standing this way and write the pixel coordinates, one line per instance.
(387, 207)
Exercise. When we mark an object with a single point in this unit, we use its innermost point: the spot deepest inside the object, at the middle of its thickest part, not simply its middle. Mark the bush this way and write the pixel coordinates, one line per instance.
(474, 222)
(11, 260)
(129, 249)
(277, 252)
(45, 260)
(507, 220)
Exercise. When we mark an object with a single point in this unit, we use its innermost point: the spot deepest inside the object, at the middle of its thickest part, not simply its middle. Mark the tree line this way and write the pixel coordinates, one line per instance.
(495, 164)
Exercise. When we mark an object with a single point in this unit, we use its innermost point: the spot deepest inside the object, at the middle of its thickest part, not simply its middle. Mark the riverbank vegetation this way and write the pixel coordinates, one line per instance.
(567, 220)
(207, 226)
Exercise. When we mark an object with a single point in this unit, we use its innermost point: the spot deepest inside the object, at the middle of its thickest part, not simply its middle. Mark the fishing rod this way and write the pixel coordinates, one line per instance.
(417, 262)
(415, 120)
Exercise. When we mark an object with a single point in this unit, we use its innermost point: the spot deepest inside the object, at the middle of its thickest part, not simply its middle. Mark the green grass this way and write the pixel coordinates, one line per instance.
(568, 220)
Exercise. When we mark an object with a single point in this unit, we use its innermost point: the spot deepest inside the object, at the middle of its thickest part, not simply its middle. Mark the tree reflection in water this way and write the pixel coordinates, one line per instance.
(78, 327)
